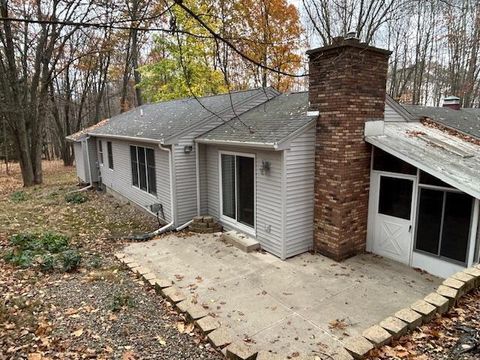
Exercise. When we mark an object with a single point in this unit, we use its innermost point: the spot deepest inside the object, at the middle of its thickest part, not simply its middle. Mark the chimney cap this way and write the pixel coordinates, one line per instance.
(343, 42)
(352, 34)
(451, 98)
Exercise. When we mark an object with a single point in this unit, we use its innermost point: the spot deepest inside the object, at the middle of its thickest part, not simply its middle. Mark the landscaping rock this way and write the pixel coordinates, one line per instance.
(120, 256)
(448, 292)
(455, 284)
(148, 276)
(469, 280)
(220, 337)
(425, 309)
(208, 324)
(240, 351)
(173, 294)
(439, 301)
(133, 266)
(194, 311)
(412, 318)
(208, 219)
(358, 347)
(198, 219)
(475, 273)
(161, 283)
(377, 335)
(395, 326)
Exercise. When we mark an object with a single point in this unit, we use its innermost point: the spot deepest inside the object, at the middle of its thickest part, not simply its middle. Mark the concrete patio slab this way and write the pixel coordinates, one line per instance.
(307, 305)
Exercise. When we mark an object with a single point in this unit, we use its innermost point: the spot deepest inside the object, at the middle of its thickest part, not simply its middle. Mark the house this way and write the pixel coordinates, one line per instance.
(339, 169)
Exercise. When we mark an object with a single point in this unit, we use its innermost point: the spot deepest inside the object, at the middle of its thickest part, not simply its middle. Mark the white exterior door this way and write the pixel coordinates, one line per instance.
(394, 217)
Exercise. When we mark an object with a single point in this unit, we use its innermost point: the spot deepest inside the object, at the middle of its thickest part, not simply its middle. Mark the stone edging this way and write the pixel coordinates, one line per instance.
(220, 337)
(420, 312)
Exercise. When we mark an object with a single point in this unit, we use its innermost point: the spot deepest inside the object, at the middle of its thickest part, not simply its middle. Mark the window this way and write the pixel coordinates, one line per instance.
(238, 188)
(383, 161)
(395, 197)
(443, 227)
(110, 154)
(427, 179)
(100, 151)
(143, 169)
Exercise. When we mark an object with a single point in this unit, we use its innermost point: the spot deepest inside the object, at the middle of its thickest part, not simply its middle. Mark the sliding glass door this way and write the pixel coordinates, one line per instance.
(238, 188)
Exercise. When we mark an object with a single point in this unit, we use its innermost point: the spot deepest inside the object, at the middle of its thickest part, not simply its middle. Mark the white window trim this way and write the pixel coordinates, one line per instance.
(146, 170)
(226, 219)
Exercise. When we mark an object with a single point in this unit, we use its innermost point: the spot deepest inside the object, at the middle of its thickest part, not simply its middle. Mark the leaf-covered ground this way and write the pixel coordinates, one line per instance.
(100, 311)
(447, 337)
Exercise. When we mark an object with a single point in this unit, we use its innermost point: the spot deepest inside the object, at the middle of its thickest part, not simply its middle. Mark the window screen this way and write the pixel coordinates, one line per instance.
(444, 220)
(429, 220)
(152, 178)
(395, 197)
(228, 185)
(134, 165)
(110, 154)
(456, 226)
(383, 161)
(100, 151)
(142, 170)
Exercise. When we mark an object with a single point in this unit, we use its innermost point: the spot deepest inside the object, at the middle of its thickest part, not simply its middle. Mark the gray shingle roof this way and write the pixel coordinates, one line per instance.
(465, 120)
(269, 123)
(163, 120)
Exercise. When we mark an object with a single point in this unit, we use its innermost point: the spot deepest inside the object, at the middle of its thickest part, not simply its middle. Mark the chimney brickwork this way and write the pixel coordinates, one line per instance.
(347, 83)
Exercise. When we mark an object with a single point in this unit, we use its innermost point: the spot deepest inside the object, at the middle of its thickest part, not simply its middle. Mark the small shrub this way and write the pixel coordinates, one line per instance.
(22, 258)
(47, 262)
(18, 196)
(71, 260)
(23, 240)
(95, 261)
(54, 242)
(121, 301)
(76, 198)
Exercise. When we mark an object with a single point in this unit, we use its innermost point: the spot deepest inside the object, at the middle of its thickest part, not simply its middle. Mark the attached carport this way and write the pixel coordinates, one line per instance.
(424, 197)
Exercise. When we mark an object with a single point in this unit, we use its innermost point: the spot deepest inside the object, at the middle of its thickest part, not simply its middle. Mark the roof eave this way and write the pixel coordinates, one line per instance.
(374, 140)
(128, 138)
(272, 146)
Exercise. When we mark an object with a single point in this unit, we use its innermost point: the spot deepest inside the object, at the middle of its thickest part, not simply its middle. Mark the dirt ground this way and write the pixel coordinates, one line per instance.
(445, 338)
(98, 311)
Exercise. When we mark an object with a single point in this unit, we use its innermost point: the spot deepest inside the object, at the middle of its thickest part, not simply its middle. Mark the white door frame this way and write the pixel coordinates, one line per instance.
(375, 176)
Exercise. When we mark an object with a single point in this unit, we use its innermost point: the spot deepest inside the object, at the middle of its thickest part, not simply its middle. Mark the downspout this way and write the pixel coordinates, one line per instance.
(197, 173)
(167, 227)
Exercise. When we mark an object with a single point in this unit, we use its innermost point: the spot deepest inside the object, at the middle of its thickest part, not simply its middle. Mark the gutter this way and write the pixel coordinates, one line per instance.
(129, 138)
(273, 146)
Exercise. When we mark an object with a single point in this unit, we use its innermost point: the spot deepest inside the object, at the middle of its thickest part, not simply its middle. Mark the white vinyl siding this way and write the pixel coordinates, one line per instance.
(80, 161)
(185, 164)
(269, 224)
(392, 115)
(300, 176)
(120, 179)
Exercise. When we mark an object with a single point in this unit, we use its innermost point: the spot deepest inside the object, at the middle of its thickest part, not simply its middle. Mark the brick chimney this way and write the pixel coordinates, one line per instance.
(347, 86)
(452, 102)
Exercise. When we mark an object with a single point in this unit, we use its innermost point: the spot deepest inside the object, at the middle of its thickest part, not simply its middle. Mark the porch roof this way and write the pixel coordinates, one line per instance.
(447, 157)
(267, 125)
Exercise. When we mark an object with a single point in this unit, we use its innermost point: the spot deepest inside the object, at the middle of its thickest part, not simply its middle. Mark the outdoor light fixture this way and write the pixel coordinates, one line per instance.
(265, 167)
(187, 149)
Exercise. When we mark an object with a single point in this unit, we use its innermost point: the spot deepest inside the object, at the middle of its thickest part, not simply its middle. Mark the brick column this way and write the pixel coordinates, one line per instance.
(347, 86)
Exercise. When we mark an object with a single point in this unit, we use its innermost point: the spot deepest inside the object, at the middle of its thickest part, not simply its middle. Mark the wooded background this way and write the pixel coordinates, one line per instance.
(65, 65)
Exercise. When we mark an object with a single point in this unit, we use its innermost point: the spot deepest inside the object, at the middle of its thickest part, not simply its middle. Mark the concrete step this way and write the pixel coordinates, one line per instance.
(241, 241)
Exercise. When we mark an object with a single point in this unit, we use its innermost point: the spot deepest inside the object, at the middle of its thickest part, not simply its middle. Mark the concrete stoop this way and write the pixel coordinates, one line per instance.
(241, 241)
(419, 313)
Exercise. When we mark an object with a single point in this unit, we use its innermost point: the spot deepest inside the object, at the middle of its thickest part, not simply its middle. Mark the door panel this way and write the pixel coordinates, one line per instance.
(246, 188)
(393, 220)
